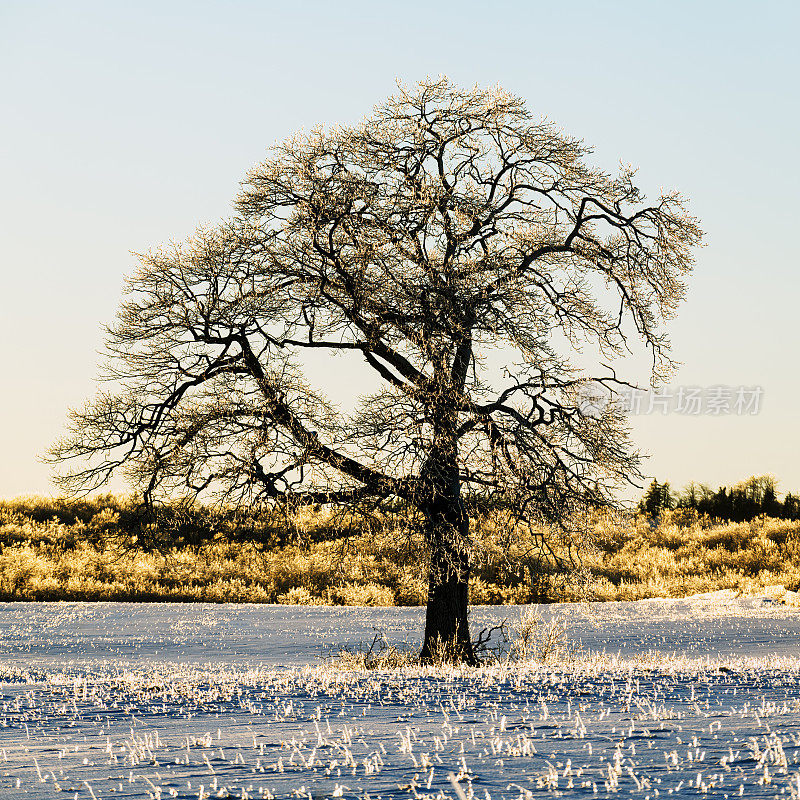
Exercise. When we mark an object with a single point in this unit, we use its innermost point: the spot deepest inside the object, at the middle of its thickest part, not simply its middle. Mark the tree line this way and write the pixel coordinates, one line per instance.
(754, 497)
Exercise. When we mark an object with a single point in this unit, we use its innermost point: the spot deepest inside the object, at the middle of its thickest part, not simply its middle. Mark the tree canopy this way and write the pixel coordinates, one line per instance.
(448, 227)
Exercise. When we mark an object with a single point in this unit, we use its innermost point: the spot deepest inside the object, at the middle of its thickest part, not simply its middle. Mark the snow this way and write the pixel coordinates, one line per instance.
(664, 697)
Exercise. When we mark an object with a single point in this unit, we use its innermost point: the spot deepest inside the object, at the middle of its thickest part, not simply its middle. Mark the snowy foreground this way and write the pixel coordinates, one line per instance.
(665, 698)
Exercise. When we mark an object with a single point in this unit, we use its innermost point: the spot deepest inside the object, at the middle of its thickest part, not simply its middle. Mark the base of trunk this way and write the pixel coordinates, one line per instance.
(447, 638)
(446, 530)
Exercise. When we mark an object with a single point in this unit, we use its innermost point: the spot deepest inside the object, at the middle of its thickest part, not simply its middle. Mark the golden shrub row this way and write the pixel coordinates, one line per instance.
(380, 564)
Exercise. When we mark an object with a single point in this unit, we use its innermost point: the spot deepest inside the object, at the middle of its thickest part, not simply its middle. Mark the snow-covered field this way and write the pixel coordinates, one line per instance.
(666, 698)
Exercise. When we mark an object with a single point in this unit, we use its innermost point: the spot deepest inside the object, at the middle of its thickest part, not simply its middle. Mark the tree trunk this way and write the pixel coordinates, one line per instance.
(447, 636)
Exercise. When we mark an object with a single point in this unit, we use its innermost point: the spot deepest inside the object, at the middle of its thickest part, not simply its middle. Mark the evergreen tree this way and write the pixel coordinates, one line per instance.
(657, 498)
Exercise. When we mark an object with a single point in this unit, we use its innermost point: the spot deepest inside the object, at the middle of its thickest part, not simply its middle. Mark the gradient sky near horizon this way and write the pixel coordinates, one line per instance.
(125, 125)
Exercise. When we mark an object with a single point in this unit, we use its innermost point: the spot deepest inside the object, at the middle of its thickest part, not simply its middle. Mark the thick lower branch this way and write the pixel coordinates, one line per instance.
(281, 414)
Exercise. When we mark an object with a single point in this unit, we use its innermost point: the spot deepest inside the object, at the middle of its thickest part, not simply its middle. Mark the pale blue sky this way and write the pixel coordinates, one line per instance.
(127, 124)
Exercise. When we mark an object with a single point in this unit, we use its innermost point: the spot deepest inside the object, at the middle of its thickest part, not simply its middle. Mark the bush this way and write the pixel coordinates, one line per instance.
(45, 556)
(379, 655)
(535, 639)
(353, 594)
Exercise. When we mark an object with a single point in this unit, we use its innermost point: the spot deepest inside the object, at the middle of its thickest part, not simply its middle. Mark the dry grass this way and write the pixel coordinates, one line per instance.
(51, 550)
(685, 555)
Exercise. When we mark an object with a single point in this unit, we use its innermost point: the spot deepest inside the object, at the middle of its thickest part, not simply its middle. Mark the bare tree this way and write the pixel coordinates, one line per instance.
(447, 232)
